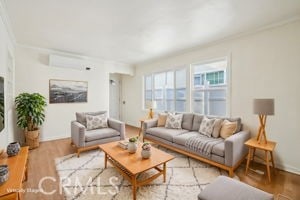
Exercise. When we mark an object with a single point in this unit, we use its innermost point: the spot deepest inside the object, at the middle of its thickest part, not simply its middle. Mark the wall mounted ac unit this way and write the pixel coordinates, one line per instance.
(68, 62)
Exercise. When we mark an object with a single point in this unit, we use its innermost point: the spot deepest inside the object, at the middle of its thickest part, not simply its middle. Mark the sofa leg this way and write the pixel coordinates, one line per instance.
(230, 172)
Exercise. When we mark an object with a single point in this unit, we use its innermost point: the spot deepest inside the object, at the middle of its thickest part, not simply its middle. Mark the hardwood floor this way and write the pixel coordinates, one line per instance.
(41, 165)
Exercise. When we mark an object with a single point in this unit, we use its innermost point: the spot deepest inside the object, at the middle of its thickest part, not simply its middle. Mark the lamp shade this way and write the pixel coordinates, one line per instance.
(263, 106)
(154, 105)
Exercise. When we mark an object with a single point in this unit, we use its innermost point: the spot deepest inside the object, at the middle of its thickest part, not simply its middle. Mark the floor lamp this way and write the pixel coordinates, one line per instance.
(263, 108)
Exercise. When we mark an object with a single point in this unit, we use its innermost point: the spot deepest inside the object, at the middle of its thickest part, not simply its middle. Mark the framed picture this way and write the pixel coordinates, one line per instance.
(66, 91)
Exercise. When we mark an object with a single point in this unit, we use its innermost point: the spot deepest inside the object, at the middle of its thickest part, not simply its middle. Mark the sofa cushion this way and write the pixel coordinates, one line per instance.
(81, 118)
(96, 122)
(230, 189)
(165, 133)
(182, 138)
(207, 126)
(187, 121)
(174, 121)
(196, 122)
(219, 149)
(98, 134)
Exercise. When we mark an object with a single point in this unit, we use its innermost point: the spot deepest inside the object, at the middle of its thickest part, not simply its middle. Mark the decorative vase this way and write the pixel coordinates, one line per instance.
(146, 154)
(3, 173)
(13, 149)
(132, 147)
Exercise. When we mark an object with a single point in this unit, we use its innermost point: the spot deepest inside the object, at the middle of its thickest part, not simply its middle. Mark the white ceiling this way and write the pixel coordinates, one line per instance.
(133, 31)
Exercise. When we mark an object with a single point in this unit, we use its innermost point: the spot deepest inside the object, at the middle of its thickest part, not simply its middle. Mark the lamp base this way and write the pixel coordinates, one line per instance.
(150, 114)
(261, 135)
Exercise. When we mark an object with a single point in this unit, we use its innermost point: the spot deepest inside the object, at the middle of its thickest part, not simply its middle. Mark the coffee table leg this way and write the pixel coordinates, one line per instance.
(164, 171)
(133, 182)
(105, 160)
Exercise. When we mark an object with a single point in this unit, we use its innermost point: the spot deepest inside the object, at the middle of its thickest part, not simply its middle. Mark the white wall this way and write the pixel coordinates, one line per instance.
(263, 65)
(33, 74)
(6, 46)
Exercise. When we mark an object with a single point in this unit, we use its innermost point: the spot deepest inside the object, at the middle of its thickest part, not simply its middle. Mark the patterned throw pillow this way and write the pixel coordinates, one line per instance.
(95, 122)
(174, 121)
(207, 126)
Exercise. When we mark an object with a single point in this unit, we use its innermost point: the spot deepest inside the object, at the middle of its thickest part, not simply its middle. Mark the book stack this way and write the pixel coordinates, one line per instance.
(123, 144)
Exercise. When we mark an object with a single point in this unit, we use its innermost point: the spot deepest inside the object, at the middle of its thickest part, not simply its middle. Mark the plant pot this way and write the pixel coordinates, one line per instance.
(3, 174)
(132, 147)
(13, 149)
(32, 139)
(146, 154)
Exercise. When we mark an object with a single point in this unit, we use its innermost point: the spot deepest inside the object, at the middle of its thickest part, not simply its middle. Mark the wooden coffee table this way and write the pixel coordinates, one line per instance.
(130, 165)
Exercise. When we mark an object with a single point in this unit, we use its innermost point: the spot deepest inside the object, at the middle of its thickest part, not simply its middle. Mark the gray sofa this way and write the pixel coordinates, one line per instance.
(85, 140)
(228, 154)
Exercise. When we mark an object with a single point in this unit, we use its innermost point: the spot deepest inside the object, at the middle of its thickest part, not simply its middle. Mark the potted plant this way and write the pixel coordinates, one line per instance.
(146, 150)
(132, 145)
(30, 115)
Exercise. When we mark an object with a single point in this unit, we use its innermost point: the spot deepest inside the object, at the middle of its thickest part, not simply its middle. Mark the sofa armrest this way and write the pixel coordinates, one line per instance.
(78, 134)
(149, 123)
(118, 126)
(235, 149)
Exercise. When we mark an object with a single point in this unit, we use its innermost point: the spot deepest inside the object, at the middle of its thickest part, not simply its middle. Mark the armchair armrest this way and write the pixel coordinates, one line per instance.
(78, 134)
(150, 123)
(118, 126)
(235, 149)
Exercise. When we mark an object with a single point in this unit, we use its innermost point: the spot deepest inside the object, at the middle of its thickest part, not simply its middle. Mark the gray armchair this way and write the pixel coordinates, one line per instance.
(85, 140)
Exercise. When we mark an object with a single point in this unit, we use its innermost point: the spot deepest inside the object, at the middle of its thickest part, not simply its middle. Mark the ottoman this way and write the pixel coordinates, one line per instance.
(229, 189)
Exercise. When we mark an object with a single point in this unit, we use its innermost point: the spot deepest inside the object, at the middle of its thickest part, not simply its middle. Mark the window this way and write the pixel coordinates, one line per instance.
(168, 89)
(209, 88)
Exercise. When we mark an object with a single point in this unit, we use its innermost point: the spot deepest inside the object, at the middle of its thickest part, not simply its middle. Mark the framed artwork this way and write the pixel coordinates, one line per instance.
(66, 91)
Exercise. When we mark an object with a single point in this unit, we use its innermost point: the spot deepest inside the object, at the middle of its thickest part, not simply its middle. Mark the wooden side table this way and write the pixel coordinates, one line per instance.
(267, 147)
(17, 174)
(142, 123)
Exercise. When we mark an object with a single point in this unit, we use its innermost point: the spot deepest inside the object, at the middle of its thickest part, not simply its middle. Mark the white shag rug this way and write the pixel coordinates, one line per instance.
(85, 178)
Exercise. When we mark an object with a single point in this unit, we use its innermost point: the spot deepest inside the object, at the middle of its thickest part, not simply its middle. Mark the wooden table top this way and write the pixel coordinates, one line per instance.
(16, 165)
(269, 146)
(134, 162)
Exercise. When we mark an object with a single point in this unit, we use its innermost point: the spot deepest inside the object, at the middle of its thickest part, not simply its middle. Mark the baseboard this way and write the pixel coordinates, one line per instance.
(288, 168)
(55, 137)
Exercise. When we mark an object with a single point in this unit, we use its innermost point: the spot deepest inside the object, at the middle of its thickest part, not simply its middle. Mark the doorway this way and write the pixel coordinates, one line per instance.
(114, 96)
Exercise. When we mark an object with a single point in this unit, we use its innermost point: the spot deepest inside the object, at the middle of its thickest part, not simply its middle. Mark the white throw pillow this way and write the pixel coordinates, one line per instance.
(95, 122)
(207, 126)
(174, 121)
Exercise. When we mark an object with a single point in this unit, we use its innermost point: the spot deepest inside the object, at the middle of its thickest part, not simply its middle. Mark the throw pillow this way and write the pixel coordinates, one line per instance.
(81, 116)
(174, 121)
(228, 128)
(217, 128)
(95, 122)
(207, 126)
(162, 118)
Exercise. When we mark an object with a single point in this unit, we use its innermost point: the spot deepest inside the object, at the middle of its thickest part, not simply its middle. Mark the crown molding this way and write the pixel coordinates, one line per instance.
(6, 21)
(226, 39)
(64, 53)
